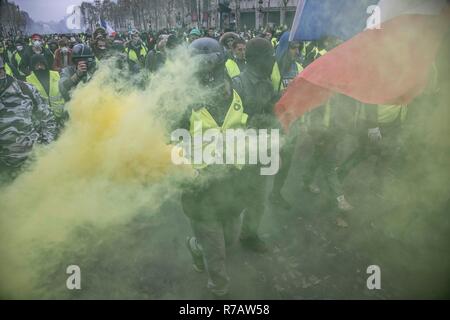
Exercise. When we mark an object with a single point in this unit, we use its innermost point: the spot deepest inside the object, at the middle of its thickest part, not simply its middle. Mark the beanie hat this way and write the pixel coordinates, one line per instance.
(259, 48)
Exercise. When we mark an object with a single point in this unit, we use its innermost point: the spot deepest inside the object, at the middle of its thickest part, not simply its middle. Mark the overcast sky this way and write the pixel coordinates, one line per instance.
(46, 10)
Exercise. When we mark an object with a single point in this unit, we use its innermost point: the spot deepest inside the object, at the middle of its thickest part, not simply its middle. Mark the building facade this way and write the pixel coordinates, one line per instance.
(256, 14)
(220, 14)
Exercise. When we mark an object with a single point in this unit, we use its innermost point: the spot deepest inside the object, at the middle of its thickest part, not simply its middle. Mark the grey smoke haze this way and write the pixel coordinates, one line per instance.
(47, 10)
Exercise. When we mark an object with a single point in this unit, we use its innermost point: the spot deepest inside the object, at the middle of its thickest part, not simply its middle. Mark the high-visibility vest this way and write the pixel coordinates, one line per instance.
(277, 82)
(232, 68)
(8, 70)
(386, 114)
(389, 113)
(274, 42)
(201, 120)
(133, 56)
(305, 48)
(18, 59)
(318, 53)
(54, 99)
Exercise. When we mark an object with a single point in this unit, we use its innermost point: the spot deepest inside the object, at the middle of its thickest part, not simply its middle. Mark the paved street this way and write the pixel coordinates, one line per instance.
(312, 257)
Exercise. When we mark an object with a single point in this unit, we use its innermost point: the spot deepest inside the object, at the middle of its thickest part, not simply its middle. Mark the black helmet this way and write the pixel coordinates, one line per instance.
(82, 52)
(208, 48)
(210, 58)
(209, 52)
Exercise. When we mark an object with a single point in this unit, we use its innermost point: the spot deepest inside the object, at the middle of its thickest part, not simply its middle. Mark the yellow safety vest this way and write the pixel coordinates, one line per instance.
(232, 68)
(133, 56)
(274, 42)
(389, 113)
(305, 48)
(55, 101)
(318, 53)
(8, 70)
(18, 58)
(386, 114)
(201, 120)
(278, 85)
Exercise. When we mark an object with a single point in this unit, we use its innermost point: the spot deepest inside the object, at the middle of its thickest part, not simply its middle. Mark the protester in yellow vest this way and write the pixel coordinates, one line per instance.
(136, 52)
(313, 51)
(207, 200)
(274, 42)
(286, 67)
(378, 129)
(236, 64)
(258, 96)
(18, 56)
(47, 84)
(325, 130)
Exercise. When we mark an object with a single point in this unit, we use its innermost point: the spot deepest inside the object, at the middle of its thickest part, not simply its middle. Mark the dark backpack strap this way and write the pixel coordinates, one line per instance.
(26, 91)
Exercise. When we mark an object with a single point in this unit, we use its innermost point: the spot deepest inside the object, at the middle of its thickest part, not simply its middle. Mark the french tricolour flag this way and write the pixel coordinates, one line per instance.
(388, 63)
(105, 24)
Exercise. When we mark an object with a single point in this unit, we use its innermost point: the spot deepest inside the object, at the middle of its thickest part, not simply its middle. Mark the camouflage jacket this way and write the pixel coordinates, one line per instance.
(25, 119)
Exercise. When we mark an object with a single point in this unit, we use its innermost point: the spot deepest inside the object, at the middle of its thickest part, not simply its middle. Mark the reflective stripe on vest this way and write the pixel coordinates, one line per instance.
(55, 101)
(201, 120)
(133, 56)
(277, 82)
(232, 68)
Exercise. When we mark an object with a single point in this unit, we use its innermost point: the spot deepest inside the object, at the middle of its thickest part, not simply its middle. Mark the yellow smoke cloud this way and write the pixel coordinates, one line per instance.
(111, 161)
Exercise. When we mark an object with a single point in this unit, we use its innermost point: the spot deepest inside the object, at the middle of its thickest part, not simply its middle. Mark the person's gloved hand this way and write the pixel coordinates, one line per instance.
(375, 134)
